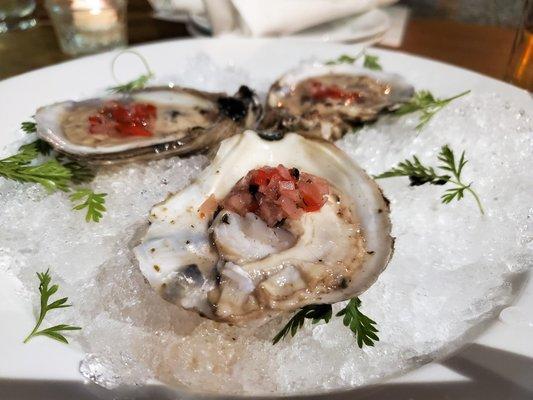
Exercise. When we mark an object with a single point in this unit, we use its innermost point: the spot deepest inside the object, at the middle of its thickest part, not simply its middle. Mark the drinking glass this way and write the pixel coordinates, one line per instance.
(520, 68)
(16, 14)
(88, 26)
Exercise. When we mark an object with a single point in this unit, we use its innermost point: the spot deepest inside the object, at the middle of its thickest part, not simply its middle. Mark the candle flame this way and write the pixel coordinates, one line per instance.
(94, 6)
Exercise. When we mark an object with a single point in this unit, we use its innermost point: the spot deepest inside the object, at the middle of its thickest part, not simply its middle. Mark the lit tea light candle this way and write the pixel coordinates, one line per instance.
(88, 26)
(93, 15)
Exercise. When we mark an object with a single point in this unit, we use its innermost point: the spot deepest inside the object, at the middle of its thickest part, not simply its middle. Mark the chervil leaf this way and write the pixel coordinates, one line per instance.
(39, 145)
(53, 332)
(363, 328)
(315, 312)
(427, 104)
(93, 202)
(81, 173)
(369, 61)
(51, 174)
(343, 59)
(449, 164)
(46, 292)
(26, 155)
(372, 62)
(419, 174)
(29, 127)
(135, 84)
(55, 174)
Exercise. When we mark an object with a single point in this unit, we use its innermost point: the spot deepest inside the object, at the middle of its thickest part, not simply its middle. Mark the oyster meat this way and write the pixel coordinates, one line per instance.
(269, 226)
(146, 124)
(329, 100)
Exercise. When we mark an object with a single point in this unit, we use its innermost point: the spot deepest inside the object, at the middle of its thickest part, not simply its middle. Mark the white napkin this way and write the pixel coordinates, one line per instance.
(280, 17)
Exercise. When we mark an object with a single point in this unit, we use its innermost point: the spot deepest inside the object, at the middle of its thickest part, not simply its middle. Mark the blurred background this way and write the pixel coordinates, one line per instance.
(493, 37)
(483, 12)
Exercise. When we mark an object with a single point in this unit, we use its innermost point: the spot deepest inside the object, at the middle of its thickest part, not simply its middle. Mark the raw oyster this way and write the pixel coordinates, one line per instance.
(329, 100)
(268, 226)
(146, 124)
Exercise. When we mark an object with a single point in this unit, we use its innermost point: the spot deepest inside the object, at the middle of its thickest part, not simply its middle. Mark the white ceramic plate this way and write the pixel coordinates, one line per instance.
(369, 26)
(499, 364)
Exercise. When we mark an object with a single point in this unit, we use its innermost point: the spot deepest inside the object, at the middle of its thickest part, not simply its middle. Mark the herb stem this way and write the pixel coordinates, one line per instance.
(420, 174)
(424, 102)
(457, 96)
(469, 189)
(38, 324)
(476, 197)
(149, 74)
(46, 291)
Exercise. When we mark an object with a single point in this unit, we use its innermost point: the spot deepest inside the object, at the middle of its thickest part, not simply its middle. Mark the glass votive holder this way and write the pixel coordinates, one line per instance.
(88, 26)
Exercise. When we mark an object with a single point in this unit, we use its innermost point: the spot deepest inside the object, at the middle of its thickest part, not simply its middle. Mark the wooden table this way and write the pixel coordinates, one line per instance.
(484, 49)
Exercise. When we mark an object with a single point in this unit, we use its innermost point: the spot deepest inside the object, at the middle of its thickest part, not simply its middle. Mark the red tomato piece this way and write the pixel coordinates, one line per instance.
(125, 119)
(133, 130)
(318, 91)
(275, 194)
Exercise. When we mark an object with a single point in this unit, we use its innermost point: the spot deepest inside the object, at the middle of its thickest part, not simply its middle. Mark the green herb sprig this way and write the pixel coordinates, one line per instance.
(424, 102)
(369, 61)
(46, 291)
(40, 145)
(29, 127)
(55, 174)
(93, 202)
(419, 174)
(51, 174)
(372, 62)
(315, 312)
(81, 173)
(136, 84)
(26, 154)
(363, 328)
(344, 59)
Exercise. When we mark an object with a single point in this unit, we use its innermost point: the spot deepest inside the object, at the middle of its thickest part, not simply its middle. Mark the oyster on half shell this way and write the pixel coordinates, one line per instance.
(267, 227)
(327, 101)
(146, 124)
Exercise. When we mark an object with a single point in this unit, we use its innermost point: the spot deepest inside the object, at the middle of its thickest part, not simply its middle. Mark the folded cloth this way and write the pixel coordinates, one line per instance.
(281, 17)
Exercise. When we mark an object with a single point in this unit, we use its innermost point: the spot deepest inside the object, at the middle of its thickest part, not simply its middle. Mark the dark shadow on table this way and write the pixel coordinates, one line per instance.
(487, 374)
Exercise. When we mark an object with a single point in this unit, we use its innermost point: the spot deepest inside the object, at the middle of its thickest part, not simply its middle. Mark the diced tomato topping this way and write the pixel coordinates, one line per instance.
(114, 118)
(286, 185)
(318, 91)
(275, 194)
(290, 208)
(260, 178)
(284, 173)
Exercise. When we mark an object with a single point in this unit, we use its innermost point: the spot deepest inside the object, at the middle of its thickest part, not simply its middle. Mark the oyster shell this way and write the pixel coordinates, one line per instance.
(329, 100)
(146, 124)
(202, 255)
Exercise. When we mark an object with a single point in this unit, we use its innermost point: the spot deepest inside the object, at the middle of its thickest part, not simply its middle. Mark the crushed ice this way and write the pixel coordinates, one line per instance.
(451, 270)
